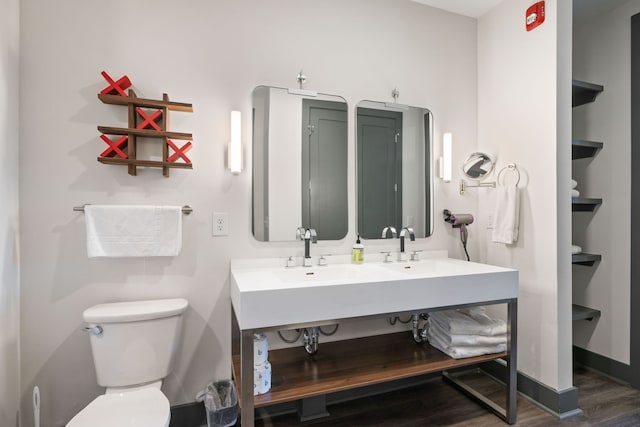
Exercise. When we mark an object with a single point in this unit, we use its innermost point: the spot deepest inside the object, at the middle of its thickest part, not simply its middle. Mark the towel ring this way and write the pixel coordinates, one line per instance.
(511, 167)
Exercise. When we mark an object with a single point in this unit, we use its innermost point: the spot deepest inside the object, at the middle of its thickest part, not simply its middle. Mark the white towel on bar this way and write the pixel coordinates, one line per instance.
(506, 219)
(133, 231)
(574, 183)
(575, 193)
(468, 321)
(464, 339)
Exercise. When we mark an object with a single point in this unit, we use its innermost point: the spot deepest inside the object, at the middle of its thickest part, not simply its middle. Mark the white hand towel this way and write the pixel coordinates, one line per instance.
(460, 352)
(133, 231)
(506, 219)
(464, 339)
(472, 321)
(575, 249)
(575, 193)
(574, 183)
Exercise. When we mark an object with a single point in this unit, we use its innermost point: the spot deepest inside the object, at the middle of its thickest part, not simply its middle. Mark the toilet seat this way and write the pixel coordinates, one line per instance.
(140, 408)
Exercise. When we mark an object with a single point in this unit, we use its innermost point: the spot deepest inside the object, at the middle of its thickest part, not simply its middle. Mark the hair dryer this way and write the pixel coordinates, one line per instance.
(457, 220)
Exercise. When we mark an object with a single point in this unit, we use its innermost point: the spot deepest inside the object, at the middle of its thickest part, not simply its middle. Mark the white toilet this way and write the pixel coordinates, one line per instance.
(133, 345)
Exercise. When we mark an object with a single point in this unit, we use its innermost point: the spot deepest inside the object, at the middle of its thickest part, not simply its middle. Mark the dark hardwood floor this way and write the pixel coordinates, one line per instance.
(603, 401)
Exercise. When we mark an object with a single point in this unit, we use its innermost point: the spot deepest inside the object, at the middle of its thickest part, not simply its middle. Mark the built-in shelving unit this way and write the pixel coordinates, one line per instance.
(584, 93)
(584, 149)
(348, 364)
(584, 313)
(585, 259)
(583, 204)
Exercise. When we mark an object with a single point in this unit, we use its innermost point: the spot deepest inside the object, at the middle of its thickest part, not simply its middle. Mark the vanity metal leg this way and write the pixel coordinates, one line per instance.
(509, 412)
(246, 378)
(512, 359)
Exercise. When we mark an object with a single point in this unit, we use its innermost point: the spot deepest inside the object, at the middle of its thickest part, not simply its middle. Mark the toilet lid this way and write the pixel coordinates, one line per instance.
(141, 408)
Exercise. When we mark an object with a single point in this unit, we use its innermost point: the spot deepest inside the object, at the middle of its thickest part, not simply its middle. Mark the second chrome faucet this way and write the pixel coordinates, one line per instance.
(406, 231)
(309, 236)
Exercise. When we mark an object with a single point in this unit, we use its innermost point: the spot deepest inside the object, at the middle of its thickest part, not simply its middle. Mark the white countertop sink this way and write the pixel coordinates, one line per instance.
(268, 295)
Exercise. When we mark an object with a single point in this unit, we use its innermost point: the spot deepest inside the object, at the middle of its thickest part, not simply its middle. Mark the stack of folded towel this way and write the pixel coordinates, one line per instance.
(466, 332)
(574, 190)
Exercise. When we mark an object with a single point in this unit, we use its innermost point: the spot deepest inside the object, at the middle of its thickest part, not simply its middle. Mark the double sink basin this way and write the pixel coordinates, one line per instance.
(267, 295)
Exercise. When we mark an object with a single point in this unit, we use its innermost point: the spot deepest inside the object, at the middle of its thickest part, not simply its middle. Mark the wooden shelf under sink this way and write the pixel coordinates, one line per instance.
(348, 364)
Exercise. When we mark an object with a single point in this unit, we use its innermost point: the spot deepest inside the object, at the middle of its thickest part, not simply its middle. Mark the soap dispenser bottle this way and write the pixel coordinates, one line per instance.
(357, 253)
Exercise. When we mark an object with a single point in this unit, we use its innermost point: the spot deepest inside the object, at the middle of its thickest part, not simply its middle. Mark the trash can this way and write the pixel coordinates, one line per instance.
(220, 400)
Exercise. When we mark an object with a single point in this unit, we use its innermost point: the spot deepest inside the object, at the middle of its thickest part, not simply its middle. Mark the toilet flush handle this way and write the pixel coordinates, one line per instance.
(94, 330)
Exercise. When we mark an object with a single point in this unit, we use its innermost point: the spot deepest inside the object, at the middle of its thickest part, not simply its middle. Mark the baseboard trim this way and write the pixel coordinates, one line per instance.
(188, 415)
(563, 404)
(613, 369)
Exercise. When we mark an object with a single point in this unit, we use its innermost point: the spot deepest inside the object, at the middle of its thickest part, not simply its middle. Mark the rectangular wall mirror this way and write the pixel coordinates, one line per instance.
(394, 173)
(299, 164)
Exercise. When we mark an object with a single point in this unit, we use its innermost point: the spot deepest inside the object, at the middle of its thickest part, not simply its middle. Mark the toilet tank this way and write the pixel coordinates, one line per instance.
(138, 341)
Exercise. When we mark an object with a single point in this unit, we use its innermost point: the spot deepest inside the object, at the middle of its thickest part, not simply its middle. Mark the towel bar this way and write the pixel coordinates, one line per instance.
(186, 209)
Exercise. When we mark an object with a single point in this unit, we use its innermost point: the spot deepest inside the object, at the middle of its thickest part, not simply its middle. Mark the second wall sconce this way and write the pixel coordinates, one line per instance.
(234, 151)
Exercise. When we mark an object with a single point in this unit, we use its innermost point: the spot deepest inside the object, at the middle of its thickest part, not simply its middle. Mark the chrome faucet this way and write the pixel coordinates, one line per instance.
(387, 229)
(309, 236)
(402, 256)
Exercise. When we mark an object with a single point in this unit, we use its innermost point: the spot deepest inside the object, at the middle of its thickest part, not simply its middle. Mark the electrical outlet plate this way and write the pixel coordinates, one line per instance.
(220, 224)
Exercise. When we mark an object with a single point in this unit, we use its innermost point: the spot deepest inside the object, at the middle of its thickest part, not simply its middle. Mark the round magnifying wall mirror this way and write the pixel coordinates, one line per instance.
(477, 166)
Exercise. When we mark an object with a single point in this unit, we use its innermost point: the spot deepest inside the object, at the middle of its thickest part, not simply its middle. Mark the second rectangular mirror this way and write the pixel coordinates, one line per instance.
(394, 174)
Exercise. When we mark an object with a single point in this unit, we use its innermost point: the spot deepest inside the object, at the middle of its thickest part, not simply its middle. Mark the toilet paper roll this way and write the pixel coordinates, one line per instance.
(260, 349)
(261, 378)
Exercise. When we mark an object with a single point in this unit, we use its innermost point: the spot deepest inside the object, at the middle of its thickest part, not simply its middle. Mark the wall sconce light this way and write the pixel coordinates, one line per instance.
(234, 151)
(445, 160)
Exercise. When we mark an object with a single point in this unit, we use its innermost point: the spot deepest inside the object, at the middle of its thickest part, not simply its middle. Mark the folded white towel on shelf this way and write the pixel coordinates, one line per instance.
(460, 352)
(506, 219)
(575, 249)
(133, 231)
(574, 183)
(575, 193)
(449, 339)
(468, 321)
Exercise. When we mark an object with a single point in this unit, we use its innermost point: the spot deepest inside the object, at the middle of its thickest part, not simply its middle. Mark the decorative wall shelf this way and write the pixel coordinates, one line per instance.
(584, 313)
(584, 92)
(581, 149)
(585, 259)
(147, 118)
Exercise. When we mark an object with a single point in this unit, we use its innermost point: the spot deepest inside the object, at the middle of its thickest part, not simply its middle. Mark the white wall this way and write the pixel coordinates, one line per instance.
(212, 54)
(517, 120)
(597, 45)
(9, 259)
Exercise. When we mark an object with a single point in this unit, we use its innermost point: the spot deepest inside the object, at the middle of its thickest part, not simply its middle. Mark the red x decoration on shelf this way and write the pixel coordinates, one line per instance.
(114, 147)
(115, 87)
(149, 121)
(179, 152)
